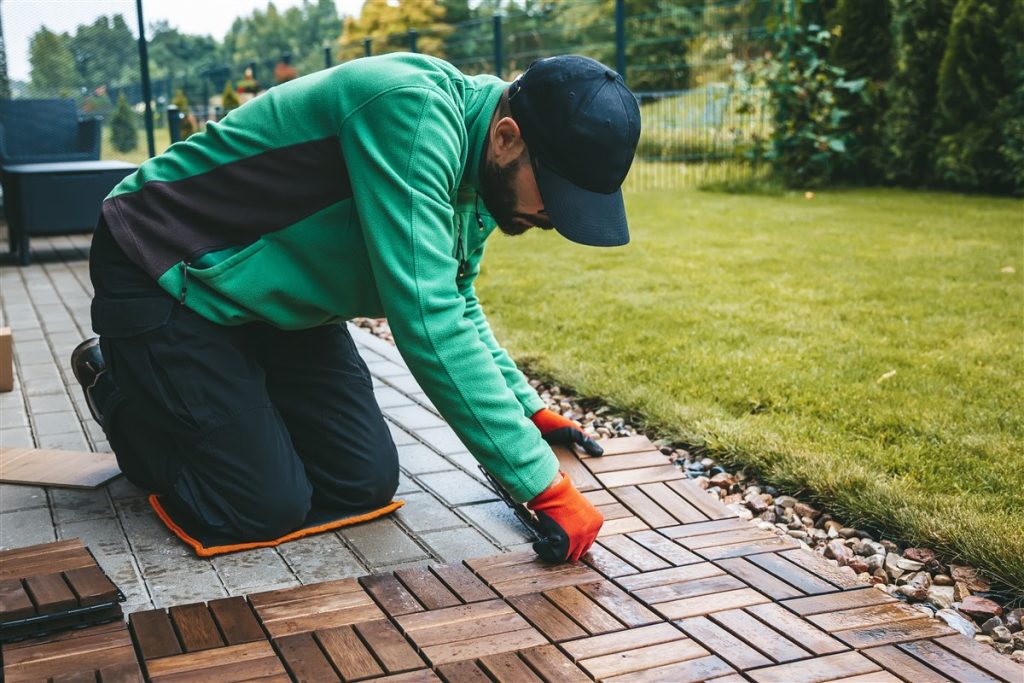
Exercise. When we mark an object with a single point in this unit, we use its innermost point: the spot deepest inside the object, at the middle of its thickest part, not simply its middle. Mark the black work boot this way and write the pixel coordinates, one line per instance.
(91, 372)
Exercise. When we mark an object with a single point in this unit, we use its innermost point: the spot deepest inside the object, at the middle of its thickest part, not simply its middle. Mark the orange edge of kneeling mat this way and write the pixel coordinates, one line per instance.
(203, 551)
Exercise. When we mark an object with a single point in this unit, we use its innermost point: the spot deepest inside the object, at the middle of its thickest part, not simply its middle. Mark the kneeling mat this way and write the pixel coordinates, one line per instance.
(207, 544)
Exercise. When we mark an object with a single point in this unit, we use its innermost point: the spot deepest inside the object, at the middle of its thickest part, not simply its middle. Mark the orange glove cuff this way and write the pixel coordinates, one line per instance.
(548, 421)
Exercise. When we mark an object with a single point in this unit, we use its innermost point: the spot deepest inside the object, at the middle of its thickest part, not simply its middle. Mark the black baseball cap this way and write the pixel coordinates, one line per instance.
(581, 125)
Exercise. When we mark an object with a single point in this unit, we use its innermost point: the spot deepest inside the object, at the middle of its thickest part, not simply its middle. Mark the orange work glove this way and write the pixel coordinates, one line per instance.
(570, 520)
(562, 431)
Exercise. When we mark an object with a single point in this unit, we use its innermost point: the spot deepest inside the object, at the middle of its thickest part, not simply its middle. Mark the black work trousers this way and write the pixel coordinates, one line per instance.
(245, 429)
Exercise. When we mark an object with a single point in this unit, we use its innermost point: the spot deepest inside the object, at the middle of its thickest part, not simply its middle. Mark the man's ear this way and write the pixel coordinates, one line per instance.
(506, 141)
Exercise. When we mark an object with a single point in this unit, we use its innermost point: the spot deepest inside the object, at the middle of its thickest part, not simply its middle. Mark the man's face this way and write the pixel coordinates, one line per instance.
(511, 195)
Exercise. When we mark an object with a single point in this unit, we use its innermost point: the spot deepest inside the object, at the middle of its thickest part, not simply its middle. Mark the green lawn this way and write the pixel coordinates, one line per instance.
(864, 348)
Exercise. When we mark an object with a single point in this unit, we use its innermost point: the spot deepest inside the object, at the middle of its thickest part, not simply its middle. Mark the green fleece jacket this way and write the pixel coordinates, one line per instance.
(349, 192)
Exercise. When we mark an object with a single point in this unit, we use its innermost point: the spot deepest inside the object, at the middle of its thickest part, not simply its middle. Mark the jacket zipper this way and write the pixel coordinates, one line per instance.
(184, 280)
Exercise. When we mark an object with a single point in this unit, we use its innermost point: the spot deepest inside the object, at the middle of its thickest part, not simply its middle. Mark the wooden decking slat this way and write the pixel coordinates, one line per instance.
(196, 627)
(546, 617)
(907, 667)
(50, 593)
(236, 620)
(667, 549)
(643, 507)
(836, 601)
(552, 665)
(764, 638)
(463, 583)
(389, 646)
(618, 603)
(716, 639)
(902, 631)
(984, 657)
(304, 658)
(90, 585)
(843, 577)
(592, 617)
(391, 594)
(427, 588)
(791, 573)
(670, 499)
(815, 640)
(348, 654)
(14, 601)
(939, 658)
(633, 553)
(154, 634)
(688, 671)
(607, 563)
(507, 667)
(767, 583)
(577, 472)
(817, 670)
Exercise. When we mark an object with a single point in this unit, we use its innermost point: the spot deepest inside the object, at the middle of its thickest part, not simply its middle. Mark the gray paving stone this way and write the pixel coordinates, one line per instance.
(32, 352)
(389, 398)
(455, 545)
(185, 586)
(406, 485)
(382, 542)
(456, 487)
(122, 488)
(17, 497)
(414, 417)
(15, 416)
(275, 586)
(320, 558)
(416, 459)
(16, 437)
(385, 368)
(405, 383)
(384, 569)
(106, 540)
(49, 383)
(424, 512)
(250, 569)
(498, 522)
(400, 436)
(443, 439)
(73, 505)
(26, 527)
(49, 403)
(156, 549)
(49, 424)
(467, 462)
(422, 399)
(72, 441)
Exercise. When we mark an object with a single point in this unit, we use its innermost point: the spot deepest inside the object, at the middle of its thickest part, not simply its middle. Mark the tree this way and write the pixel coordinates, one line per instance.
(52, 65)
(387, 25)
(188, 122)
(909, 132)
(5, 80)
(229, 99)
(105, 52)
(973, 90)
(124, 135)
(863, 49)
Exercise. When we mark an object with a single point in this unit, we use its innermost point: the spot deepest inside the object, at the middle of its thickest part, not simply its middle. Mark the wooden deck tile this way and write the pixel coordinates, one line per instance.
(842, 577)
(580, 608)
(304, 659)
(699, 498)
(607, 563)
(618, 603)
(154, 634)
(628, 461)
(899, 632)
(669, 550)
(646, 508)
(546, 617)
(463, 582)
(623, 525)
(633, 553)
(392, 650)
(672, 575)
(711, 526)
(236, 620)
(569, 463)
(44, 558)
(428, 589)
(195, 627)
(770, 641)
(837, 601)
(88, 650)
(670, 497)
(820, 670)
(793, 574)
(641, 475)
(716, 639)
(633, 651)
(983, 657)
(245, 662)
(469, 631)
(551, 665)
(806, 634)
(954, 667)
(907, 667)
(317, 606)
(628, 444)
(393, 597)
(347, 653)
(521, 573)
(755, 577)
(507, 667)
(689, 671)
(857, 617)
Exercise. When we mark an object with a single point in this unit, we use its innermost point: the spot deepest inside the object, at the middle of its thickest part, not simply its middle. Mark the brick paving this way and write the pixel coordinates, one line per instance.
(449, 515)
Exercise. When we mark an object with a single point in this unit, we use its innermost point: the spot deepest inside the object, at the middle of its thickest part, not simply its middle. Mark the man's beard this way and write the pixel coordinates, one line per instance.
(498, 190)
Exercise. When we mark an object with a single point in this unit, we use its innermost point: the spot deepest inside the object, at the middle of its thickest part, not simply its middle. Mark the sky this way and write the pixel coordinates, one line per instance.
(22, 18)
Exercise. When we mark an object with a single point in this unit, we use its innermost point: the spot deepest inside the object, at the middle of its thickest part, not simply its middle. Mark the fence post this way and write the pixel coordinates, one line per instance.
(327, 56)
(499, 56)
(412, 39)
(620, 37)
(367, 47)
(147, 90)
(174, 122)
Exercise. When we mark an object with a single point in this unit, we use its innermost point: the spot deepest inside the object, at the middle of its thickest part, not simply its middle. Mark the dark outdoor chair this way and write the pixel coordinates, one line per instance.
(46, 131)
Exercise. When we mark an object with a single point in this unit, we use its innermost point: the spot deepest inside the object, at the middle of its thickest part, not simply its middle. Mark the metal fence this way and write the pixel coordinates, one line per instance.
(678, 57)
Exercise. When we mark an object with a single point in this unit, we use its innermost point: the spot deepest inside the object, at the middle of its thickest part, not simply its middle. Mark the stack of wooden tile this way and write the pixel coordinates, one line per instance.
(52, 586)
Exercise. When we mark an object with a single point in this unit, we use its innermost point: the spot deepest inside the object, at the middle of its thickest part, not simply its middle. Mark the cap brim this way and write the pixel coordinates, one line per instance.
(591, 218)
